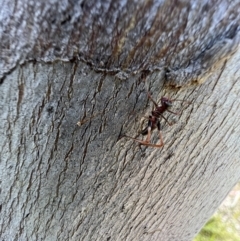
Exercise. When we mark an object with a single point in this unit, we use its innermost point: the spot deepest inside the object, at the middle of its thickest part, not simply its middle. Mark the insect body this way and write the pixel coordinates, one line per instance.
(154, 122)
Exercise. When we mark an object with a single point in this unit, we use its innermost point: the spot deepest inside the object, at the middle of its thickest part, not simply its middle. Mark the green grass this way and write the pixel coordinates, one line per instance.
(217, 230)
(224, 225)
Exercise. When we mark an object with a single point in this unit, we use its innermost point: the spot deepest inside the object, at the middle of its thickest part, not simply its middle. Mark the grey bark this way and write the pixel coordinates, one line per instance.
(83, 61)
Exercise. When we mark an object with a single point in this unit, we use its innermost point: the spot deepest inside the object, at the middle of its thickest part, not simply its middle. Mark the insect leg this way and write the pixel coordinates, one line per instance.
(169, 123)
(146, 142)
(173, 112)
(151, 98)
(160, 137)
(179, 113)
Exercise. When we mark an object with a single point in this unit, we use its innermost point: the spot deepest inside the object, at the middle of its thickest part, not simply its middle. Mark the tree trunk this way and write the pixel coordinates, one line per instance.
(63, 181)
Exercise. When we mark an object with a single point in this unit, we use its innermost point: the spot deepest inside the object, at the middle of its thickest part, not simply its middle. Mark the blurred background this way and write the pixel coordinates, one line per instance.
(224, 225)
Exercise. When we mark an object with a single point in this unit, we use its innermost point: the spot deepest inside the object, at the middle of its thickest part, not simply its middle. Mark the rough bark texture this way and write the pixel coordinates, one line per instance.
(186, 38)
(61, 181)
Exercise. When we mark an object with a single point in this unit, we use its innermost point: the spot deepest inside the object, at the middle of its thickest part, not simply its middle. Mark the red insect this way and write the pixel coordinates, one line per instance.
(154, 122)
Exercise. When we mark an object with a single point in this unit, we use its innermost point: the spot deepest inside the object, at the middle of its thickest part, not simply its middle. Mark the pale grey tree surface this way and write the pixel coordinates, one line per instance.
(85, 62)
